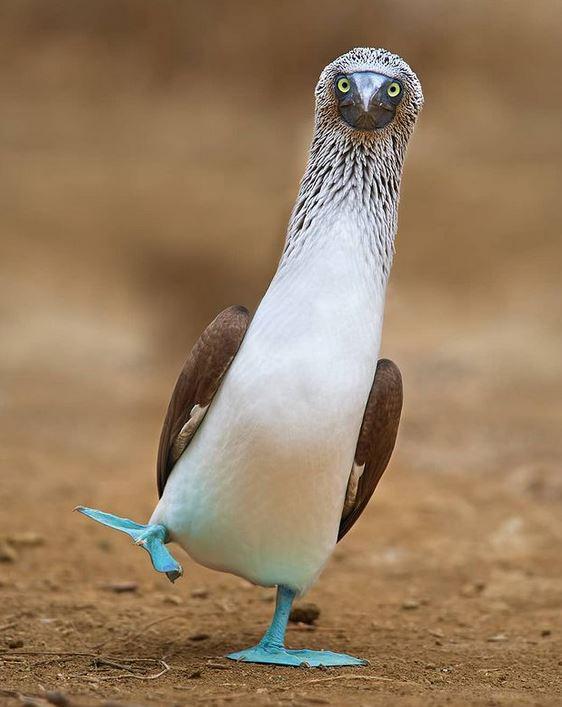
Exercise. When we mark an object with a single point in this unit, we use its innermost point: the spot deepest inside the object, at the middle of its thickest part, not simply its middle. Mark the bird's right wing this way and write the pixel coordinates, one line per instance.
(197, 384)
(376, 441)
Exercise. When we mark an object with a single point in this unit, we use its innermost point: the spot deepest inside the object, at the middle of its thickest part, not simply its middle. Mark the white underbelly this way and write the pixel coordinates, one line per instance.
(259, 491)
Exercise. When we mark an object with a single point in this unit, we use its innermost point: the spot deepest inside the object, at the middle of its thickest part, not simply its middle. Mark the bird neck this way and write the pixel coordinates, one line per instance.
(348, 183)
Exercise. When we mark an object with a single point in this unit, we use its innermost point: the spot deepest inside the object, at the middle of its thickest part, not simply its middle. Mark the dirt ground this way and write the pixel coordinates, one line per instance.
(136, 202)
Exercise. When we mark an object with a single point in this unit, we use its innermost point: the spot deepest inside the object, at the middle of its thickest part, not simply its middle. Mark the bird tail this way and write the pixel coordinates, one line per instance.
(151, 537)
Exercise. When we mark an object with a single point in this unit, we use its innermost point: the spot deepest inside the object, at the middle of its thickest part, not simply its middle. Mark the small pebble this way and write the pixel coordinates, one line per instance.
(304, 614)
(29, 539)
(195, 674)
(200, 593)
(7, 553)
(122, 587)
(546, 632)
(172, 599)
(410, 604)
(199, 637)
(15, 643)
(498, 638)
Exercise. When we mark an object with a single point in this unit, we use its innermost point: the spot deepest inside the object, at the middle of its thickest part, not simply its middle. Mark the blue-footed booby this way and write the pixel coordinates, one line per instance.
(280, 427)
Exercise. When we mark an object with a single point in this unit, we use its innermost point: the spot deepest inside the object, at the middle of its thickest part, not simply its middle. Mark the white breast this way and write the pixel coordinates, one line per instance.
(259, 491)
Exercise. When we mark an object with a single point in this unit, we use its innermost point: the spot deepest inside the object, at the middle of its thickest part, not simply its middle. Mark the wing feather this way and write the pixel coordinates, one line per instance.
(376, 441)
(197, 385)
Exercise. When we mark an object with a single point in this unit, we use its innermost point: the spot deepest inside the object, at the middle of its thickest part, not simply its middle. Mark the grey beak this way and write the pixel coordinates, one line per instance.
(368, 85)
(365, 107)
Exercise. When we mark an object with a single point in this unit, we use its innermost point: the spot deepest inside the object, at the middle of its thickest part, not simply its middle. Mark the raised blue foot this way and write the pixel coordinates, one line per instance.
(150, 537)
(271, 648)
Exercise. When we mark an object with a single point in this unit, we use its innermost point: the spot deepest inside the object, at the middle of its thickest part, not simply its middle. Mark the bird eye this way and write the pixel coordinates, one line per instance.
(393, 89)
(343, 85)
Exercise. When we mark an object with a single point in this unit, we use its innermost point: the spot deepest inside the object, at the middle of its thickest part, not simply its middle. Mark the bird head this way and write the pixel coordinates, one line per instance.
(367, 93)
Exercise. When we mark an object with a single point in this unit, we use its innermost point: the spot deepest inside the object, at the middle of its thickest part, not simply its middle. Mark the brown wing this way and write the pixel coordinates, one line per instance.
(376, 441)
(197, 384)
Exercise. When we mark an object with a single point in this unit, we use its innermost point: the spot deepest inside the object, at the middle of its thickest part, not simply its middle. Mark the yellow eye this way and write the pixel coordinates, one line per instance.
(343, 85)
(394, 89)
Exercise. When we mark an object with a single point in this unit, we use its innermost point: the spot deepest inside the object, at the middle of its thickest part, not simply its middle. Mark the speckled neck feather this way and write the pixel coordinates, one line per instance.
(355, 171)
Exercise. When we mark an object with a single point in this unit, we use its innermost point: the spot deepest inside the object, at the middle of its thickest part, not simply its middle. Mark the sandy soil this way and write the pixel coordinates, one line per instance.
(132, 213)
(449, 585)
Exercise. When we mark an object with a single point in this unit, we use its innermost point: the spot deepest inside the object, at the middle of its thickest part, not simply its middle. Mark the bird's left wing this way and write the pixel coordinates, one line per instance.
(197, 384)
(376, 441)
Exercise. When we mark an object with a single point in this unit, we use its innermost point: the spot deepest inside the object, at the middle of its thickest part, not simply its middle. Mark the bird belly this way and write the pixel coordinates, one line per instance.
(264, 500)
(259, 491)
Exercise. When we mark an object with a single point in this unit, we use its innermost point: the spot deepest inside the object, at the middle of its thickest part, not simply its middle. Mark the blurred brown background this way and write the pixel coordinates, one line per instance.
(151, 152)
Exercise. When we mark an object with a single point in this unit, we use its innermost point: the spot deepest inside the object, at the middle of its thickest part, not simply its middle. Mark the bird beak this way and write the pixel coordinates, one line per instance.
(365, 107)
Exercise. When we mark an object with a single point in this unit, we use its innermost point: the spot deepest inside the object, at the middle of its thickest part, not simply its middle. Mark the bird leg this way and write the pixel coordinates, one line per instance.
(150, 537)
(271, 649)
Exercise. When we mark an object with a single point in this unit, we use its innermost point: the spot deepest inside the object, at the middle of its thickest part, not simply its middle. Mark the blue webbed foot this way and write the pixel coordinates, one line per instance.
(278, 655)
(151, 537)
(271, 648)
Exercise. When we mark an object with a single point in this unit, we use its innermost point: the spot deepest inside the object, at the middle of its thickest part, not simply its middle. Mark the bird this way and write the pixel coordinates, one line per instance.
(281, 425)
